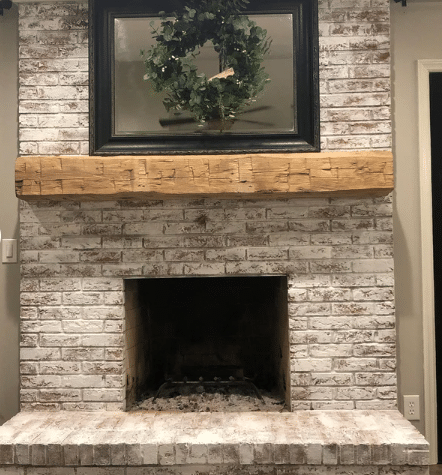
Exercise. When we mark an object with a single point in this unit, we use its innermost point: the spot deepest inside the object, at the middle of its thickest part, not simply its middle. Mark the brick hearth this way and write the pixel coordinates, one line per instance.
(375, 442)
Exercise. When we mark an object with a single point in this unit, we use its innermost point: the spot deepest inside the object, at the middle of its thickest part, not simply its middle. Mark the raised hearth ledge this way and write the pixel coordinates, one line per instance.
(327, 438)
(86, 178)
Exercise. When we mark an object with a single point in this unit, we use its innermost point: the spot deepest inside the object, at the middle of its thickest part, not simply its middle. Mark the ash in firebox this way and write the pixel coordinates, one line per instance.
(201, 399)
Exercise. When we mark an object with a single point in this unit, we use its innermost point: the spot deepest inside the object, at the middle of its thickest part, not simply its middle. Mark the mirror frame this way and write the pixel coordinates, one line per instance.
(305, 87)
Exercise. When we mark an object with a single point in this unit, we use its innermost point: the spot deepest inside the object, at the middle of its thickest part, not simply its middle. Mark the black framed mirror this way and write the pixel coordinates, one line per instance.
(128, 117)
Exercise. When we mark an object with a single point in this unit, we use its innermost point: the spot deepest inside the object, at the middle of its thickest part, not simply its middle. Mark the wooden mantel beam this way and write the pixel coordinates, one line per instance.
(85, 178)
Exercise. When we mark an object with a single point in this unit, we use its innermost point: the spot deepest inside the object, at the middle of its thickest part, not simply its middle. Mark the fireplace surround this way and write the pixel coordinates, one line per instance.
(90, 228)
(336, 255)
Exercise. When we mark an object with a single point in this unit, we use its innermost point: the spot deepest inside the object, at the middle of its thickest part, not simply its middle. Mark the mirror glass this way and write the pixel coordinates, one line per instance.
(138, 110)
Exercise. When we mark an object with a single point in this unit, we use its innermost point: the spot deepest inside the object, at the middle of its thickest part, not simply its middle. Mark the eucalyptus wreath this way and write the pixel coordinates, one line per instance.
(240, 43)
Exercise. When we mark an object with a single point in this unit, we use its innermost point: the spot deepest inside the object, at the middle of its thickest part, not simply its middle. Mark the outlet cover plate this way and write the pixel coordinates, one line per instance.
(412, 408)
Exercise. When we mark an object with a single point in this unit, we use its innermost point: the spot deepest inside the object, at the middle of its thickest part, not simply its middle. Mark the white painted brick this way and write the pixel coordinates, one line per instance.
(376, 404)
(386, 336)
(355, 393)
(311, 280)
(113, 298)
(82, 354)
(322, 266)
(355, 364)
(238, 214)
(58, 148)
(59, 367)
(298, 323)
(311, 365)
(58, 256)
(103, 395)
(373, 293)
(57, 313)
(330, 350)
(347, 142)
(262, 254)
(373, 265)
(384, 308)
(37, 382)
(297, 295)
(312, 393)
(331, 323)
(105, 339)
(225, 254)
(82, 381)
(289, 239)
(352, 308)
(60, 284)
(41, 326)
(330, 294)
(111, 242)
(83, 298)
(181, 255)
(114, 354)
(28, 313)
(336, 379)
(105, 368)
(345, 252)
(310, 252)
(144, 228)
(299, 351)
(119, 270)
(374, 349)
(354, 336)
(375, 322)
(59, 340)
(204, 269)
(333, 405)
(39, 354)
(95, 313)
(299, 337)
(83, 326)
(354, 280)
(53, 92)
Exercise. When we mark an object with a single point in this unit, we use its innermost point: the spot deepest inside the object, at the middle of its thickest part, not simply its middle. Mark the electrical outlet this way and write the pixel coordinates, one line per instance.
(412, 408)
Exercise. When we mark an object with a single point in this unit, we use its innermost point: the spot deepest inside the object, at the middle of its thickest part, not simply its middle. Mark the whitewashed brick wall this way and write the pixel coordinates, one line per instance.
(336, 252)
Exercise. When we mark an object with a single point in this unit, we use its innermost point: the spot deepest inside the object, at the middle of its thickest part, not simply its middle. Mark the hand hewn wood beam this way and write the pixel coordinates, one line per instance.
(247, 175)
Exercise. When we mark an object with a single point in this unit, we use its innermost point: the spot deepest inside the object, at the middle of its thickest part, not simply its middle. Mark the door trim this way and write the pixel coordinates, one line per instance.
(425, 67)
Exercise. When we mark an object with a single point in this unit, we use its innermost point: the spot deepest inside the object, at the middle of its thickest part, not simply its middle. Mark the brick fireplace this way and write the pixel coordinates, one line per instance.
(80, 258)
(336, 255)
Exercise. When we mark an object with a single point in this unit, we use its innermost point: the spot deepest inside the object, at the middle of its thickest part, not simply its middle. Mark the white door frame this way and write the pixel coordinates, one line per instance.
(425, 67)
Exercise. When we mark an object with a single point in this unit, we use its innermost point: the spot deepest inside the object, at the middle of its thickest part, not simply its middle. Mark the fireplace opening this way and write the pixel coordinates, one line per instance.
(207, 343)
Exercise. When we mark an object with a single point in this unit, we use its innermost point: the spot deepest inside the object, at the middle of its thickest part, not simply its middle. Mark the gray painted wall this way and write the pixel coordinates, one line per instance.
(416, 34)
(9, 273)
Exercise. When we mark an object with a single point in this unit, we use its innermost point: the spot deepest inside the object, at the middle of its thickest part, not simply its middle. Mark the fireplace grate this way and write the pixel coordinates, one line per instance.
(209, 376)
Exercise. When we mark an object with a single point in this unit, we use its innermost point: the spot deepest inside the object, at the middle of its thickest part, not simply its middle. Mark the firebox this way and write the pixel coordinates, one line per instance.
(226, 335)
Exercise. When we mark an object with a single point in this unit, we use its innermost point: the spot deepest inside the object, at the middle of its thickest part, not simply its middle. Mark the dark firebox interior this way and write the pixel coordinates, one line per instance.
(215, 327)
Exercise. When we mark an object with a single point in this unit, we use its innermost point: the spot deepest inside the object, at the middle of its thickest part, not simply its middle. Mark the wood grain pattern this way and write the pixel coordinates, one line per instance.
(244, 175)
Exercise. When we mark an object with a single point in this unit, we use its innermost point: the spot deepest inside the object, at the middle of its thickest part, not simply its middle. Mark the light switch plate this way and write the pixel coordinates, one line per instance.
(9, 251)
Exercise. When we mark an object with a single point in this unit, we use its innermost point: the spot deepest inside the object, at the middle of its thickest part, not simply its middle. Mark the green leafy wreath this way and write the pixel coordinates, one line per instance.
(240, 44)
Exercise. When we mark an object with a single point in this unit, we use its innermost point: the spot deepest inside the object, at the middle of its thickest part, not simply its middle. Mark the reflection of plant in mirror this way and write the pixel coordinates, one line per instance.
(241, 46)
